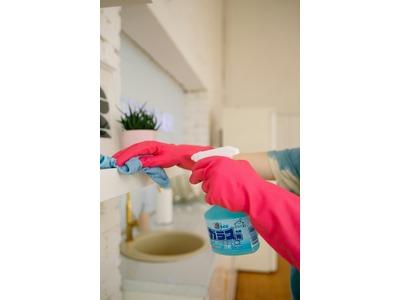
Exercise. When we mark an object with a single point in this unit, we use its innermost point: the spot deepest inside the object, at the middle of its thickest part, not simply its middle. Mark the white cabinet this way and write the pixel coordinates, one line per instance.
(223, 280)
(264, 260)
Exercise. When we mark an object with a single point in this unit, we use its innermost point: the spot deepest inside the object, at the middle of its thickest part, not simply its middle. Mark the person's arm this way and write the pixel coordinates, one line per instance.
(282, 166)
(285, 165)
(274, 211)
(260, 163)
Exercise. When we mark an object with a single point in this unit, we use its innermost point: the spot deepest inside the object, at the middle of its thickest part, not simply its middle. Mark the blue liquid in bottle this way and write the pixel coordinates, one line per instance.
(230, 233)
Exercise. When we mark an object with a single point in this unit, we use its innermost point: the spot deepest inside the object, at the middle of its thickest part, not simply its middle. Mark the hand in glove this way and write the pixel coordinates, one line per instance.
(158, 154)
(274, 212)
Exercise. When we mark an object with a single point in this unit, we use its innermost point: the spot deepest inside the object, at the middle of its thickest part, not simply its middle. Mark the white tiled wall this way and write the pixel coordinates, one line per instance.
(196, 119)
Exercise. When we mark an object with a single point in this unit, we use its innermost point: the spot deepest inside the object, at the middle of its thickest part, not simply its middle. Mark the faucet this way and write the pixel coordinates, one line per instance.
(131, 222)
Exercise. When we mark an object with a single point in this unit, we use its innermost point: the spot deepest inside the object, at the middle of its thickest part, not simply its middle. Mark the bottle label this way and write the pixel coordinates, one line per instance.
(233, 235)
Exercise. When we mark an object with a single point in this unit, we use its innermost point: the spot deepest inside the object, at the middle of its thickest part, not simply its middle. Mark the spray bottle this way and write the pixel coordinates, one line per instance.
(230, 233)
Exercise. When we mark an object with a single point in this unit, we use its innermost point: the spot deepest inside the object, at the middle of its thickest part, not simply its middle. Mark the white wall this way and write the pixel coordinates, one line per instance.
(142, 80)
(250, 129)
(287, 131)
(262, 54)
(196, 27)
(251, 47)
(262, 61)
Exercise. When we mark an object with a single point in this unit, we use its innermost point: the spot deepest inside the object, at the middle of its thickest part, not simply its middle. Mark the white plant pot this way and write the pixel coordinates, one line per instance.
(129, 137)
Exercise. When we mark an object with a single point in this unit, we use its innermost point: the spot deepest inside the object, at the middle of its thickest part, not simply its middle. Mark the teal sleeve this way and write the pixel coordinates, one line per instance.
(288, 160)
(285, 165)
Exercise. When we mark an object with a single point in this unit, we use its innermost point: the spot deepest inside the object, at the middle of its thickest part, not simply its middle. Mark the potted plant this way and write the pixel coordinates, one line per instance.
(138, 125)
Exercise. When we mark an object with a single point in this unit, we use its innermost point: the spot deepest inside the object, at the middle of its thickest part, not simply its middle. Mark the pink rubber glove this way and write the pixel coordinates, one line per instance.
(274, 212)
(157, 154)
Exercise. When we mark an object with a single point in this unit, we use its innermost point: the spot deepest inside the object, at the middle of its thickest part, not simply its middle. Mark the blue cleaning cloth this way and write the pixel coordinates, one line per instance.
(134, 165)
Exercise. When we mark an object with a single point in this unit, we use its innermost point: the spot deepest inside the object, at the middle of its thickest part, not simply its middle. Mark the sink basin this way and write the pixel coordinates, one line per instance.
(163, 246)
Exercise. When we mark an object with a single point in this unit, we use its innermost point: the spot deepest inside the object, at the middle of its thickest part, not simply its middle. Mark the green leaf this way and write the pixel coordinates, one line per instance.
(138, 118)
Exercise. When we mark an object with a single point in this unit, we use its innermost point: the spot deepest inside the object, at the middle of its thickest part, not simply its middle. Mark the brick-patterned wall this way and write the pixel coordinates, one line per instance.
(110, 28)
(110, 237)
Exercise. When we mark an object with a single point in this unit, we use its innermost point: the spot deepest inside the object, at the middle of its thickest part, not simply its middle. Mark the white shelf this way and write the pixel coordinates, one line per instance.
(143, 25)
(114, 184)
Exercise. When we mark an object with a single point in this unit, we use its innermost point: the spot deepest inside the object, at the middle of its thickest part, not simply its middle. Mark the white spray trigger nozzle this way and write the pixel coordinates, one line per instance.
(227, 151)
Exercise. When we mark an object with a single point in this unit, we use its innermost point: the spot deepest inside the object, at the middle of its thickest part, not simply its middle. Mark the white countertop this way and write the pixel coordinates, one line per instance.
(187, 277)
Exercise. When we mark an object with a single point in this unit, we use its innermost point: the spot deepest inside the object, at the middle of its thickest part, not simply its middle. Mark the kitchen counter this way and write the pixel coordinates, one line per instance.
(188, 277)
